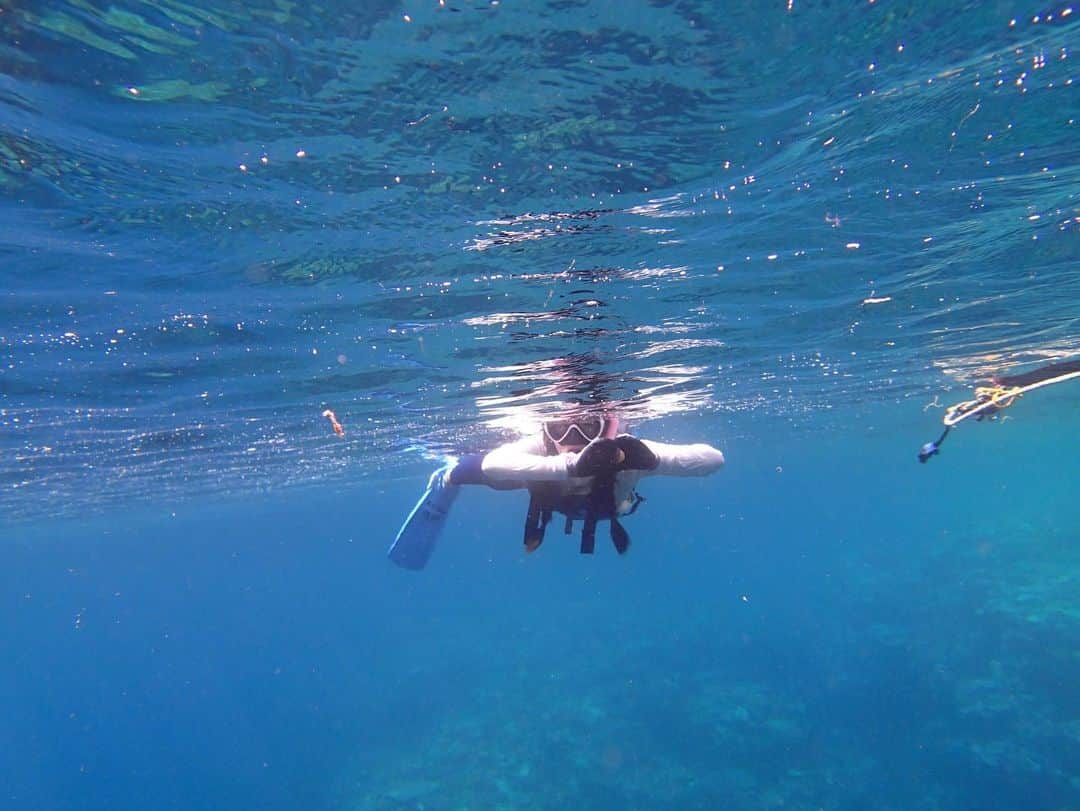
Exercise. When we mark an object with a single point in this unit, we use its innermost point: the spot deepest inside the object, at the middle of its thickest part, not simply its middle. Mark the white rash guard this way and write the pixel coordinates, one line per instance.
(525, 460)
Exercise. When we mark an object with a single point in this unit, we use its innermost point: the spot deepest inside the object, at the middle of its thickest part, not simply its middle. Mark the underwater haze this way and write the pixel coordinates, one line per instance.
(796, 230)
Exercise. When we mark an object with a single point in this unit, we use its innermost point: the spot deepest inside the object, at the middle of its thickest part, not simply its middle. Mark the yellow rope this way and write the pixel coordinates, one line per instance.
(994, 398)
(986, 398)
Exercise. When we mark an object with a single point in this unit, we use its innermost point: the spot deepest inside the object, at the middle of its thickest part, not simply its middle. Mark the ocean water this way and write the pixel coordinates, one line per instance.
(794, 230)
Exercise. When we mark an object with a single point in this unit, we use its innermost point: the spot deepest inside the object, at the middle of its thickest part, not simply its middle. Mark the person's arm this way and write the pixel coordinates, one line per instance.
(698, 459)
(525, 460)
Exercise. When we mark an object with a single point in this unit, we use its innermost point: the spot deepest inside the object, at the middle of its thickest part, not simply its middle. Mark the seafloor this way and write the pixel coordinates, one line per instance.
(965, 697)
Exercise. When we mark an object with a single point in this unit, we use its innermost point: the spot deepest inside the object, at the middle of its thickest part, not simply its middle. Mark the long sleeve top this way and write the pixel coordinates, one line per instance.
(525, 460)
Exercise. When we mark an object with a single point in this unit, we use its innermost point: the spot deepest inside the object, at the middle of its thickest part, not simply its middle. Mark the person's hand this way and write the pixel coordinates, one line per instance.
(636, 454)
(599, 456)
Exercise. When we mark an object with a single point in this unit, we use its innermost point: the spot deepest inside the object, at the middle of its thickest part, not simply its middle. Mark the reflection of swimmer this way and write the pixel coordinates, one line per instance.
(1002, 392)
(583, 468)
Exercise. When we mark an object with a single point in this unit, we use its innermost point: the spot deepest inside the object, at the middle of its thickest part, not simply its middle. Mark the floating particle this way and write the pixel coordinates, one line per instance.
(334, 422)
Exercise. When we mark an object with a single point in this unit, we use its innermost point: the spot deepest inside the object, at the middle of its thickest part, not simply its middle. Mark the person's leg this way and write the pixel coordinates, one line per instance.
(470, 470)
(416, 539)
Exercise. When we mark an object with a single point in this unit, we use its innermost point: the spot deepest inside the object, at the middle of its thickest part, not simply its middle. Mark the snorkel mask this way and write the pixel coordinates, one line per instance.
(580, 431)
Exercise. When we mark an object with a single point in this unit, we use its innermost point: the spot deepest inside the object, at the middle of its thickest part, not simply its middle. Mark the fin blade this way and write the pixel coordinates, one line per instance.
(415, 541)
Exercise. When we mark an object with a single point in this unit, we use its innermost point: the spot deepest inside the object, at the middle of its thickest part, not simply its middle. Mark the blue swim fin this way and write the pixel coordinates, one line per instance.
(416, 539)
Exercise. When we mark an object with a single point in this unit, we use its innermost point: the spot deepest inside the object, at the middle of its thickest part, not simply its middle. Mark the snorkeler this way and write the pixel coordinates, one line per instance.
(1000, 394)
(583, 468)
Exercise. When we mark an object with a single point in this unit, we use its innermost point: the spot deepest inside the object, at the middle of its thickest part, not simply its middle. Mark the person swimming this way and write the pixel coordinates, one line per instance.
(584, 467)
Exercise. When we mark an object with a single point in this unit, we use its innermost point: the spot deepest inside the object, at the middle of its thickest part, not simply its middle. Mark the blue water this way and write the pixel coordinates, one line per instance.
(795, 230)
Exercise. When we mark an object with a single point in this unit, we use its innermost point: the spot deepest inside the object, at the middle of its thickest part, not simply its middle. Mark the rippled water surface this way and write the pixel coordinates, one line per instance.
(221, 219)
(796, 230)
